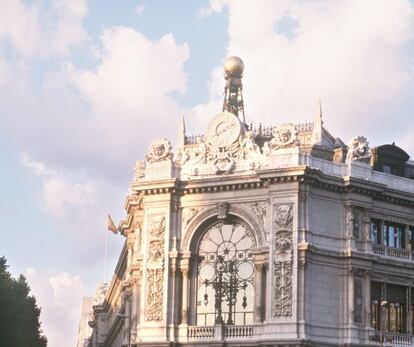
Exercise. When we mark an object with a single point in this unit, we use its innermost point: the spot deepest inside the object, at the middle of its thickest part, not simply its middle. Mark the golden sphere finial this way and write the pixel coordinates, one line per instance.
(234, 67)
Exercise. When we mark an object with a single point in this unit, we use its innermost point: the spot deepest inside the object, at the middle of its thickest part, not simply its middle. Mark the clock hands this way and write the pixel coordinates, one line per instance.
(221, 131)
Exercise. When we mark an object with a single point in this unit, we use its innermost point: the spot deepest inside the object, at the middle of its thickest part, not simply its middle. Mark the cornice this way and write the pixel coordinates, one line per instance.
(264, 178)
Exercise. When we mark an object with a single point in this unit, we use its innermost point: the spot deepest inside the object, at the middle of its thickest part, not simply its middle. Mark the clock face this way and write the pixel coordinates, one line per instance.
(224, 129)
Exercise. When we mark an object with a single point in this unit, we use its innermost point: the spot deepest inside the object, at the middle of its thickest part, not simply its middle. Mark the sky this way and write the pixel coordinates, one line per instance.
(85, 86)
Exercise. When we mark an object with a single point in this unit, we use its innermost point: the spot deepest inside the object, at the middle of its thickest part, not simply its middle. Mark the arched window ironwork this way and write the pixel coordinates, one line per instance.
(225, 275)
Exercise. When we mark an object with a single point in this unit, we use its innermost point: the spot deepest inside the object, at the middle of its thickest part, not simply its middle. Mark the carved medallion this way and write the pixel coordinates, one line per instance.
(160, 150)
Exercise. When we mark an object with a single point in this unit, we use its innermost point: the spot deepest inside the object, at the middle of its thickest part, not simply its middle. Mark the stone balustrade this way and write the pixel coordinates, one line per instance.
(393, 252)
(201, 333)
(220, 332)
(392, 339)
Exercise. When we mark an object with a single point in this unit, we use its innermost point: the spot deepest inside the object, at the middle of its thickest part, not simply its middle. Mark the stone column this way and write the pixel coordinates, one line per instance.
(350, 303)
(173, 301)
(135, 304)
(366, 229)
(406, 238)
(185, 269)
(410, 312)
(367, 299)
(381, 232)
(184, 300)
(258, 292)
(128, 315)
(302, 249)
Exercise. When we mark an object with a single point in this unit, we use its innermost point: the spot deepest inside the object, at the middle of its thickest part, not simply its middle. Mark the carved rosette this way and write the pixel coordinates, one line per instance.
(155, 270)
(160, 150)
(282, 261)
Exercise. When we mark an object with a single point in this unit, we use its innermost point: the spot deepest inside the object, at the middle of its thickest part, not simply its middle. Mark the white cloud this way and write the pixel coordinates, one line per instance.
(59, 294)
(354, 55)
(88, 119)
(36, 32)
(77, 205)
(215, 6)
(135, 75)
(139, 9)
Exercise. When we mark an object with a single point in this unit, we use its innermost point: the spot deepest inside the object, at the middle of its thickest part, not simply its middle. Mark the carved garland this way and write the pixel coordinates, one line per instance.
(282, 261)
(155, 270)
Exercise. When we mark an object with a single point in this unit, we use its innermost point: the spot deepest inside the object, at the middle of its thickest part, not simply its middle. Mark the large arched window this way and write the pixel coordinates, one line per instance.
(225, 275)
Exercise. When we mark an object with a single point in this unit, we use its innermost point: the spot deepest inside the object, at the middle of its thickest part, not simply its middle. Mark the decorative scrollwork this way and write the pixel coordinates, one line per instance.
(155, 269)
(154, 305)
(283, 261)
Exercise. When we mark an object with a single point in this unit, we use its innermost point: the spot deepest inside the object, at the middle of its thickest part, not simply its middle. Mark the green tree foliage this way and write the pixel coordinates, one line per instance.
(19, 313)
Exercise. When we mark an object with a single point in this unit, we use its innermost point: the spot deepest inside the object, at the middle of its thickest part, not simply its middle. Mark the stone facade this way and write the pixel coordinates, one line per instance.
(310, 217)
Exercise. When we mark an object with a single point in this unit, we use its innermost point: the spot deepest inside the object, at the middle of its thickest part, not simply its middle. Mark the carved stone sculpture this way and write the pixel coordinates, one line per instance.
(139, 169)
(227, 145)
(282, 261)
(284, 136)
(154, 304)
(358, 149)
(160, 150)
(155, 270)
(351, 224)
(100, 293)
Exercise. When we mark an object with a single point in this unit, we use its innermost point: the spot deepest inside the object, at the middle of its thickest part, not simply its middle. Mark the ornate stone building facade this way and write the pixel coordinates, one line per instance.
(278, 236)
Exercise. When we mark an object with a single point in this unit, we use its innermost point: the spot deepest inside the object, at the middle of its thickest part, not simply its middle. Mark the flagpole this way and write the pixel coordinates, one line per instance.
(106, 253)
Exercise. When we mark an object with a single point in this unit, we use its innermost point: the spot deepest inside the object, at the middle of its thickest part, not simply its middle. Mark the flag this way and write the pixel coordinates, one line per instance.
(111, 225)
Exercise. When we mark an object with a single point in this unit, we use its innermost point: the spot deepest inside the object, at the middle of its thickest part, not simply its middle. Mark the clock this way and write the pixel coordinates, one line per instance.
(224, 129)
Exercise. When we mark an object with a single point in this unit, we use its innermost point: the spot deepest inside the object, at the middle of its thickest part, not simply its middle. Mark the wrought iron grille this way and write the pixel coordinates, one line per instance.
(225, 275)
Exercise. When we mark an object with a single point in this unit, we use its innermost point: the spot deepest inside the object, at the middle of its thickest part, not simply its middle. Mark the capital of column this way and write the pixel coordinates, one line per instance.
(259, 266)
